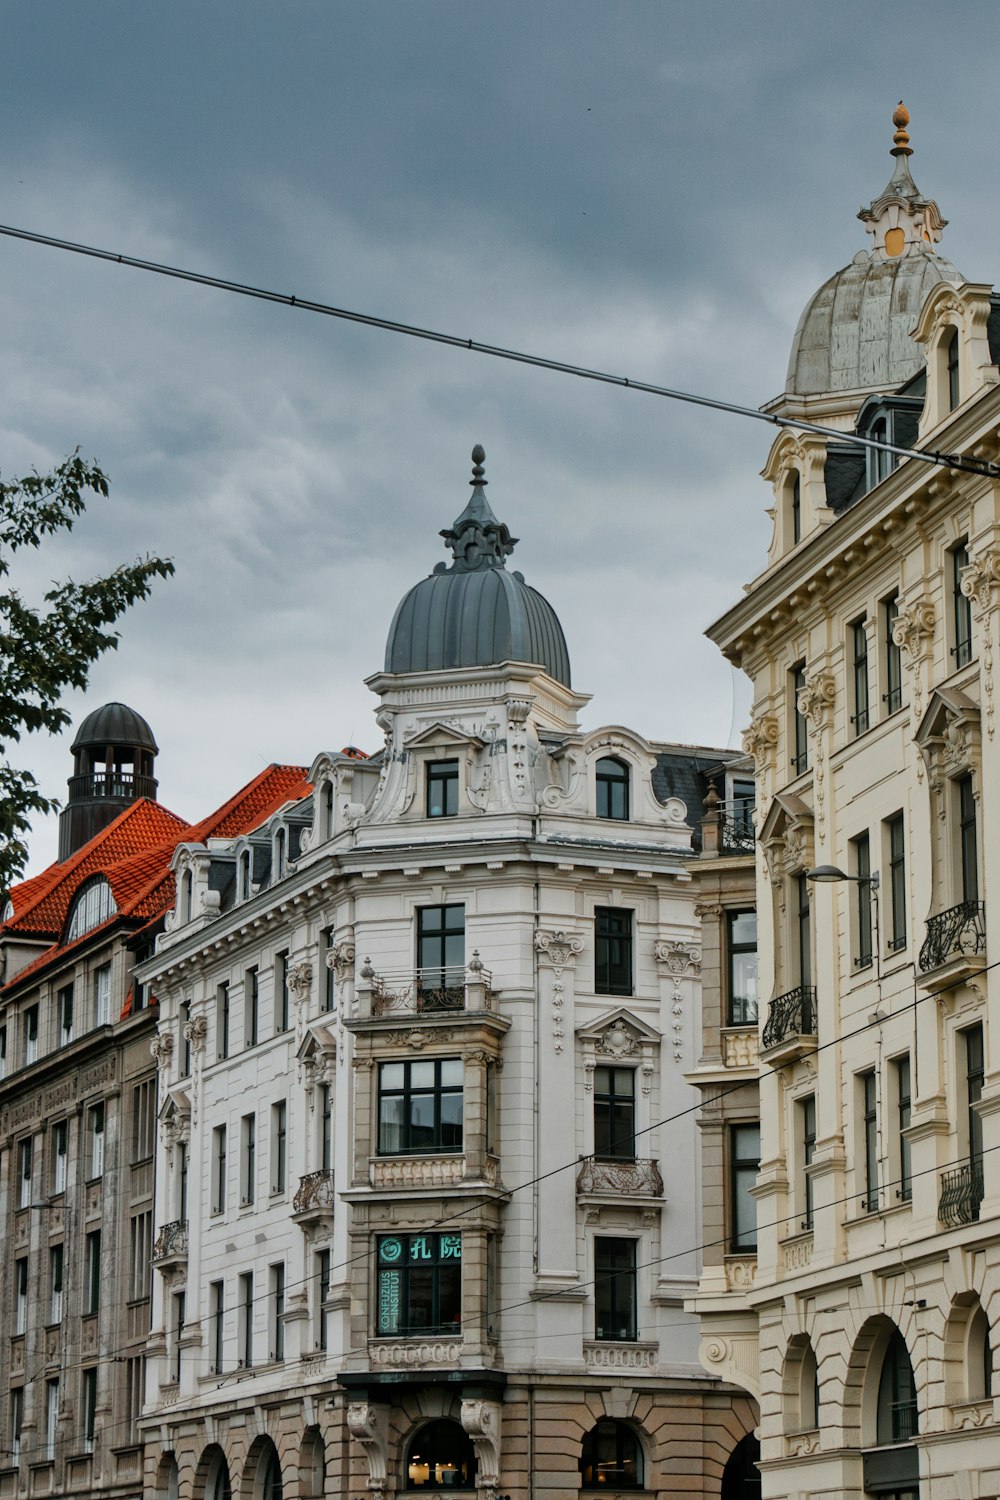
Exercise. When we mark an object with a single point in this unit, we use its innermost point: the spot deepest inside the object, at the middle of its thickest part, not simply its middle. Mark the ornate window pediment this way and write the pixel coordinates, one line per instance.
(442, 736)
(618, 1033)
(787, 835)
(949, 736)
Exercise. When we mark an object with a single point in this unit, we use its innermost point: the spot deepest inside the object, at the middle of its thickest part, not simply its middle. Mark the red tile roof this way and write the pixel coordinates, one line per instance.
(134, 854)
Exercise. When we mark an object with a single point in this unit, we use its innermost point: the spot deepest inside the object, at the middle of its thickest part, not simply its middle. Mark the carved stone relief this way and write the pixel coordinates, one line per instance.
(979, 584)
(559, 950)
(679, 959)
(913, 632)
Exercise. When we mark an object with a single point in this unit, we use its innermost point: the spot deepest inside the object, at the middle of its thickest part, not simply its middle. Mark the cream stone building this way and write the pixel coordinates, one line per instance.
(871, 640)
(427, 1178)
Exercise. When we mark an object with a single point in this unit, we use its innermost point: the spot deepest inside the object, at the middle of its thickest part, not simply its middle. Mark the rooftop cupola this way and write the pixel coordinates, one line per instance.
(900, 220)
(114, 755)
(472, 612)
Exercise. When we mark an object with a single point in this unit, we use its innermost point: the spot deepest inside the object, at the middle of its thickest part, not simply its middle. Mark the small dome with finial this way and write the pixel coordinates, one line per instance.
(472, 612)
(854, 334)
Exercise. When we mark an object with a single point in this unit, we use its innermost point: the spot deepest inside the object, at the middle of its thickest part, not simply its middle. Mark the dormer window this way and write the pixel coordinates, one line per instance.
(93, 906)
(280, 854)
(442, 789)
(245, 875)
(612, 789)
(951, 369)
(795, 508)
(882, 462)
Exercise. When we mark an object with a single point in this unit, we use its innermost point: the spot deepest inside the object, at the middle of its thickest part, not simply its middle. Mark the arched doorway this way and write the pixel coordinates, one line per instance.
(440, 1456)
(741, 1476)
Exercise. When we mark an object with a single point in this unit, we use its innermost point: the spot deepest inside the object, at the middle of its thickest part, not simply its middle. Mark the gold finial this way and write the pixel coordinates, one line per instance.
(901, 140)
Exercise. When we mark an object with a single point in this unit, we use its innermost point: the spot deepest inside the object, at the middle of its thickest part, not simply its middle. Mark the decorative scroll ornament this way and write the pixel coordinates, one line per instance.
(341, 960)
(558, 949)
(195, 1032)
(815, 701)
(760, 742)
(678, 956)
(913, 632)
(617, 1041)
(481, 1420)
(368, 1423)
(162, 1047)
(979, 582)
(300, 976)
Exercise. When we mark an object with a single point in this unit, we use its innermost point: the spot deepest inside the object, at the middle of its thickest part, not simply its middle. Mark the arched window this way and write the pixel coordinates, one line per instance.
(611, 1456)
(94, 905)
(441, 1455)
(217, 1486)
(187, 896)
(328, 809)
(312, 1464)
(951, 369)
(270, 1484)
(795, 507)
(896, 1415)
(979, 1357)
(612, 789)
(741, 1476)
(280, 861)
(245, 875)
(808, 1391)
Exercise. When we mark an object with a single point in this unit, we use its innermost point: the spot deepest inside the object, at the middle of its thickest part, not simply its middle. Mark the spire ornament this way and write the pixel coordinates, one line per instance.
(901, 221)
(477, 539)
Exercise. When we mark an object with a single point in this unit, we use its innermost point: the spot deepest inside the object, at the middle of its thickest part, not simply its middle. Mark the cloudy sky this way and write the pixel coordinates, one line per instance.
(649, 188)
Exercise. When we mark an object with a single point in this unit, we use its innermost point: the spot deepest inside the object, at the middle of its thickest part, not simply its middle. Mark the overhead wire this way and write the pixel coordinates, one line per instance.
(957, 461)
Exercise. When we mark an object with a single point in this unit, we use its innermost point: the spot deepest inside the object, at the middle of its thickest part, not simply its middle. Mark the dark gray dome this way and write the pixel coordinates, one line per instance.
(474, 613)
(115, 724)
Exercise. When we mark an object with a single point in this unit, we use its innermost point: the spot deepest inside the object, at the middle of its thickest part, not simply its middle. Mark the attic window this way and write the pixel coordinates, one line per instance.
(94, 905)
(951, 369)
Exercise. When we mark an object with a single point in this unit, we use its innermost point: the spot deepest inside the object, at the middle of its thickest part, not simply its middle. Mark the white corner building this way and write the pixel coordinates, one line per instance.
(427, 1173)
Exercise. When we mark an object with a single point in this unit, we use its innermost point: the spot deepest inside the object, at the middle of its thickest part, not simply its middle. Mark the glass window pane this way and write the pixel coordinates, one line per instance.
(392, 1076)
(452, 1072)
(421, 1075)
(451, 1121)
(390, 1135)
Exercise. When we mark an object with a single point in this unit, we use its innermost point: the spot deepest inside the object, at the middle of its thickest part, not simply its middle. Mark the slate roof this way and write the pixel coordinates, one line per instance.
(684, 771)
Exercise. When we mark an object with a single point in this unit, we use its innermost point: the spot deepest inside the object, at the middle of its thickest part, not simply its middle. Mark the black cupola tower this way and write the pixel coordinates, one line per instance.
(113, 757)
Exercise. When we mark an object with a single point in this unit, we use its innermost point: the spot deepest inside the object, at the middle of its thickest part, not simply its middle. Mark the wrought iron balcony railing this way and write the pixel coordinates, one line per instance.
(736, 830)
(961, 1194)
(314, 1193)
(790, 1015)
(172, 1240)
(111, 784)
(632, 1178)
(959, 931)
(445, 988)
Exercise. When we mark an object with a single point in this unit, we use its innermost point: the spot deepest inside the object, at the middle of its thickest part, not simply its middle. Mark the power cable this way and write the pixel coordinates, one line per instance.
(957, 461)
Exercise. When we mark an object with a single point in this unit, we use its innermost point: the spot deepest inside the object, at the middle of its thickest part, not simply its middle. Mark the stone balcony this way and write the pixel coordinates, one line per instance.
(171, 1245)
(445, 1170)
(790, 1031)
(619, 1179)
(314, 1198)
(740, 1047)
(954, 947)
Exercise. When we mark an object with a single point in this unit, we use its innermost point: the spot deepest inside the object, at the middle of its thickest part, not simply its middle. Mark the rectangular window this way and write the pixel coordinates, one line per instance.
(246, 1320)
(615, 1306)
(216, 1313)
(3, 1052)
(88, 1393)
(279, 1145)
(248, 1159)
(102, 995)
(30, 1024)
(744, 1164)
(612, 951)
(799, 724)
(741, 962)
(614, 1113)
(892, 656)
(329, 977)
(807, 1137)
(64, 1008)
(419, 1284)
(181, 1167)
(16, 1418)
(222, 1020)
(325, 1127)
(92, 1272)
(251, 1008)
(140, 1251)
(974, 1079)
(21, 1283)
(60, 1141)
(968, 839)
(861, 858)
(219, 1169)
(869, 1120)
(442, 789)
(51, 1418)
(961, 607)
(895, 841)
(859, 654)
(135, 1394)
(611, 783)
(803, 930)
(143, 1120)
(95, 1139)
(280, 992)
(796, 508)
(184, 1050)
(322, 1293)
(441, 956)
(55, 1283)
(277, 1279)
(24, 1161)
(179, 1312)
(901, 1071)
(420, 1106)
